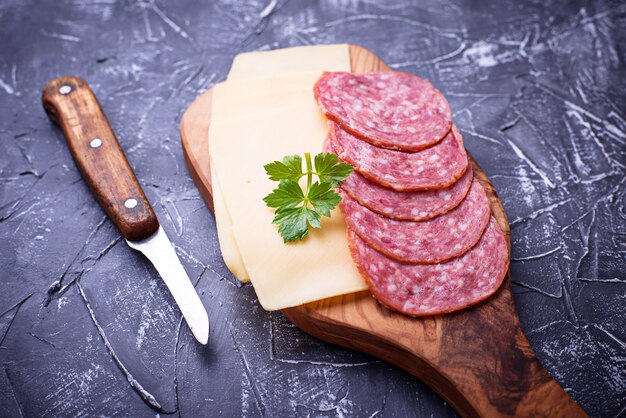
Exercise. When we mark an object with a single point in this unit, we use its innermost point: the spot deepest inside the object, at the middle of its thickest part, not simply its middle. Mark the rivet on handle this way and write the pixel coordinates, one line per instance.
(95, 143)
(130, 203)
(65, 89)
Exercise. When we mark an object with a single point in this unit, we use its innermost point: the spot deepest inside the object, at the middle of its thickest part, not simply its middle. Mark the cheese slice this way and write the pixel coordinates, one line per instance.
(271, 84)
(232, 101)
(228, 245)
(294, 60)
(239, 110)
(282, 75)
(229, 108)
(283, 275)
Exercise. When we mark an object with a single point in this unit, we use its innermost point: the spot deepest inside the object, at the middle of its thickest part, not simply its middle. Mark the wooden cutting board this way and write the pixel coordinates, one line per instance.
(478, 359)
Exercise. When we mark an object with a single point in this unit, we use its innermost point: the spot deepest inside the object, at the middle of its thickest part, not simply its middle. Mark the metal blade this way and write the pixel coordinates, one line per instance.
(160, 252)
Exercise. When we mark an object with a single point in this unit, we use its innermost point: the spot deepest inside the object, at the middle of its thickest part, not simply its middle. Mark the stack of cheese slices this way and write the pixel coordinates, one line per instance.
(264, 111)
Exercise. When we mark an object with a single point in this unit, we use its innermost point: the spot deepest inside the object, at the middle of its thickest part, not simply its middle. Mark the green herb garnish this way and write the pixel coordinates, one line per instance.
(297, 209)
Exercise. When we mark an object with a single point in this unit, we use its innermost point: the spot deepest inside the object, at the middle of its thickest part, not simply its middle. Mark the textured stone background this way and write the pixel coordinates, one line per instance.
(88, 328)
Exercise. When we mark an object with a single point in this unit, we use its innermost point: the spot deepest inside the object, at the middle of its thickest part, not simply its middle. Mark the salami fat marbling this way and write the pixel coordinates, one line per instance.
(408, 206)
(423, 289)
(436, 167)
(432, 241)
(389, 109)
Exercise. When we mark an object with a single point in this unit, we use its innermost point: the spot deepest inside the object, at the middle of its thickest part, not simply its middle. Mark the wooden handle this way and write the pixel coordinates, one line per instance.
(478, 359)
(69, 102)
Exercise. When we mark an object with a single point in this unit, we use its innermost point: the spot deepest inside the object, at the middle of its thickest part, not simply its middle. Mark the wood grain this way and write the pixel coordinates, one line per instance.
(478, 359)
(104, 168)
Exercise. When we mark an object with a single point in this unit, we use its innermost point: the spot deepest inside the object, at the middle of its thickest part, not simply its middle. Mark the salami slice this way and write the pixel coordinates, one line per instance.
(421, 289)
(389, 109)
(436, 167)
(407, 206)
(432, 241)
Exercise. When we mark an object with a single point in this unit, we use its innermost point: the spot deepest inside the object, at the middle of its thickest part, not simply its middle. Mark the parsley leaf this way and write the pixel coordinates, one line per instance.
(323, 198)
(330, 170)
(296, 209)
(292, 222)
(288, 194)
(289, 169)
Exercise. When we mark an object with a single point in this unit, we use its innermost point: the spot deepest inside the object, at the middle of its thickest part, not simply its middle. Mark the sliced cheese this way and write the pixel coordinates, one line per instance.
(283, 275)
(237, 108)
(281, 83)
(233, 111)
(228, 245)
(229, 103)
(281, 74)
(301, 59)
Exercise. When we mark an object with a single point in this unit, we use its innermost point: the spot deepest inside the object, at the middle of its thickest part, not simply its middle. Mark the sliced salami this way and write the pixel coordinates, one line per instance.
(389, 109)
(432, 241)
(436, 167)
(421, 289)
(407, 206)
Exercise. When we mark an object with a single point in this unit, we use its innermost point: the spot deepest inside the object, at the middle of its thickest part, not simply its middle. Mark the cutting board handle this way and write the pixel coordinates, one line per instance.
(69, 102)
(478, 359)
